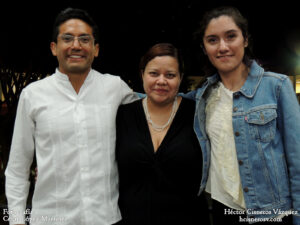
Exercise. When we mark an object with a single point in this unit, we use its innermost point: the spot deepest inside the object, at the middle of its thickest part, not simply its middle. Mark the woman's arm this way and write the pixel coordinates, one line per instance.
(289, 125)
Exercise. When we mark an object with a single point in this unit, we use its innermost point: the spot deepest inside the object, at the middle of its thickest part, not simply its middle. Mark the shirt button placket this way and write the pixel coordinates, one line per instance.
(235, 109)
(84, 157)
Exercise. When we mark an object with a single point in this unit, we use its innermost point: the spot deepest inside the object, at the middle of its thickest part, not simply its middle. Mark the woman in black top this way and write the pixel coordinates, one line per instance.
(158, 154)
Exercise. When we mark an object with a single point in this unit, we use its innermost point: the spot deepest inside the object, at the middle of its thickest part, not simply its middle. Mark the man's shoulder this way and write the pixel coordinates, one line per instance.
(39, 84)
(106, 76)
(109, 81)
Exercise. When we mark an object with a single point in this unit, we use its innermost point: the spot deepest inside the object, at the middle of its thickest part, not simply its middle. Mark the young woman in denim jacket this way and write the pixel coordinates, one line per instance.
(247, 121)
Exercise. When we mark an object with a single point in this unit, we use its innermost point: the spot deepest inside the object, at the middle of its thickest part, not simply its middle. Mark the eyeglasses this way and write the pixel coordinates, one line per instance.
(83, 39)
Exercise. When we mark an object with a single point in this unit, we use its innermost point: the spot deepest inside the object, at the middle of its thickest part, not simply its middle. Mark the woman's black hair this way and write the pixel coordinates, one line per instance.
(161, 49)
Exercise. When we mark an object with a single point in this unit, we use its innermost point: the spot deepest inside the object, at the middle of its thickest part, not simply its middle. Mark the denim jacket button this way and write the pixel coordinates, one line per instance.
(237, 134)
(246, 189)
(236, 96)
(241, 162)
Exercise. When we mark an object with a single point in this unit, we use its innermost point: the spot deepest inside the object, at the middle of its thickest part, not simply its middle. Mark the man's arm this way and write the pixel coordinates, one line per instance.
(20, 160)
(127, 94)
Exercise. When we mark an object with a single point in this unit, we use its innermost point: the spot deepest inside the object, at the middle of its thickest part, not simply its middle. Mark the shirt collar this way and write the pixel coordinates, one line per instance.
(65, 77)
(251, 84)
(253, 80)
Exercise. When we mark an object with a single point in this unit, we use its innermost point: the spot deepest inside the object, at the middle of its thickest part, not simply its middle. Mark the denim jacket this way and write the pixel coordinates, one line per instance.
(266, 124)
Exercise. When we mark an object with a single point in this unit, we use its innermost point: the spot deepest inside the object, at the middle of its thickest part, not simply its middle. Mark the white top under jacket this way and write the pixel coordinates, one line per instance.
(224, 181)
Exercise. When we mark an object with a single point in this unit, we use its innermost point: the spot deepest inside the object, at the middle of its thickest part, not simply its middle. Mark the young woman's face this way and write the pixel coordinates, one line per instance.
(161, 79)
(224, 44)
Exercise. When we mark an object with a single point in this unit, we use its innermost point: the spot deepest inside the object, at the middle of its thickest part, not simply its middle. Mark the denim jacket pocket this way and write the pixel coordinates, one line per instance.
(262, 124)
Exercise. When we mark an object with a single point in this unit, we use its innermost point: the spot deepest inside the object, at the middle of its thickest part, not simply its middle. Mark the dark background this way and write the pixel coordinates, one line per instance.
(129, 28)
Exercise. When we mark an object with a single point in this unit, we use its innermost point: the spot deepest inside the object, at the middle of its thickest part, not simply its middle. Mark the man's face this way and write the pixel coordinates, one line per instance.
(75, 49)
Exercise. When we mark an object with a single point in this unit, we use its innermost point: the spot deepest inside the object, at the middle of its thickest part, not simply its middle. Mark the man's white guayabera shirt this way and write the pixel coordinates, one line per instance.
(73, 136)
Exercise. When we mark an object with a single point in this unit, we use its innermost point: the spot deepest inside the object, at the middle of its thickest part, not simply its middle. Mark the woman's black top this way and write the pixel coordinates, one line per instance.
(159, 188)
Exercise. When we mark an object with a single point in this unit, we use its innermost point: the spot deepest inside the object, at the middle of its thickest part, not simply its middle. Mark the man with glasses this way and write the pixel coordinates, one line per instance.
(68, 121)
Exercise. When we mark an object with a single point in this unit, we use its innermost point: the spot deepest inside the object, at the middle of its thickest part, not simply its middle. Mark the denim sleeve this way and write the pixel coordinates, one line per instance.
(289, 125)
(190, 95)
(140, 95)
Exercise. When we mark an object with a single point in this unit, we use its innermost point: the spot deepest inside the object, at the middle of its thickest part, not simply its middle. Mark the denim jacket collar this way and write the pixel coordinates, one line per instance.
(250, 86)
(253, 80)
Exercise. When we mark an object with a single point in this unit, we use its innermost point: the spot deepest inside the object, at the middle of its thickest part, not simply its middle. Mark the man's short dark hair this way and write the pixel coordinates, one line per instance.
(71, 13)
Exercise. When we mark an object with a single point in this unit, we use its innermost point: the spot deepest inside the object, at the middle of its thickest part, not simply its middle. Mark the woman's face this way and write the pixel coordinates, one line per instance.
(224, 44)
(161, 79)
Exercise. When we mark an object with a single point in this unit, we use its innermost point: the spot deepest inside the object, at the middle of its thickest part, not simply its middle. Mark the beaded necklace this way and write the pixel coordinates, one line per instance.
(156, 127)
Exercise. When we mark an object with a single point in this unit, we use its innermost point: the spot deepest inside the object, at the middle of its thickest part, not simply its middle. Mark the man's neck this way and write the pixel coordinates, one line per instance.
(77, 80)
